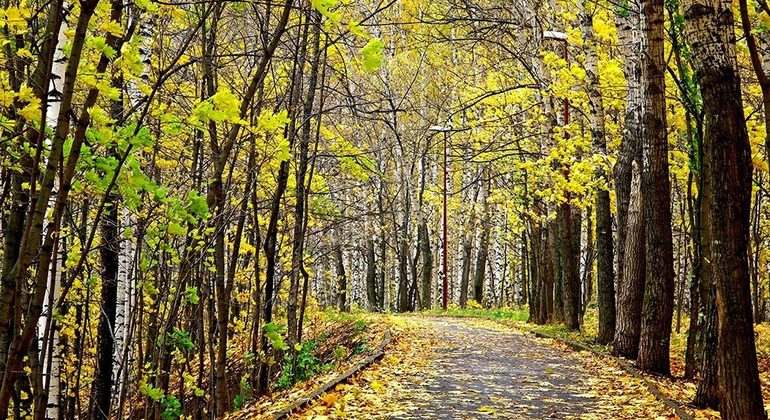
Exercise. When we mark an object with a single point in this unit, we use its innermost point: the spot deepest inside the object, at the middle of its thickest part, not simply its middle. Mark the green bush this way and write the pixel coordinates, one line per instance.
(307, 365)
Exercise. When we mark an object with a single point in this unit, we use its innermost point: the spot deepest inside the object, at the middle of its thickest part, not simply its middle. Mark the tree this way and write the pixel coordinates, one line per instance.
(727, 170)
(630, 232)
(658, 305)
(605, 278)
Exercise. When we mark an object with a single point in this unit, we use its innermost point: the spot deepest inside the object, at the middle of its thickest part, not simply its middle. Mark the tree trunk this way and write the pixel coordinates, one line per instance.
(727, 171)
(312, 17)
(605, 276)
(556, 268)
(570, 273)
(658, 306)
(427, 267)
(481, 263)
(109, 252)
(466, 270)
(628, 23)
(371, 275)
(631, 291)
(342, 279)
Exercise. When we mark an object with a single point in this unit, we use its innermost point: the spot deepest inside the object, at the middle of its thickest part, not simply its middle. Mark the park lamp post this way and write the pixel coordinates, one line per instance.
(444, 281)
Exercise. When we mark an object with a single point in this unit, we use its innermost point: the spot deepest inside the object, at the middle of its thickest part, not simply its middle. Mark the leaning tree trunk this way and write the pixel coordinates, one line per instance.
(658, 305)
(727, 175)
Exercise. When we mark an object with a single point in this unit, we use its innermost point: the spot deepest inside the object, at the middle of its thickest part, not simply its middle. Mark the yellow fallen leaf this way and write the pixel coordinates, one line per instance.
(330, 398)
(486, 409)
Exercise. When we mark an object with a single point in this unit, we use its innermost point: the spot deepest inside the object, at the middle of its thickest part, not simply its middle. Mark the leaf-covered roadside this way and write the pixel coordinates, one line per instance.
(336, 342)
(398, 385)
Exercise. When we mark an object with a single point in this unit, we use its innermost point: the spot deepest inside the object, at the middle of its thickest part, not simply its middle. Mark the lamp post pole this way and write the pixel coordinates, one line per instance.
(445, 248)
(445, 282)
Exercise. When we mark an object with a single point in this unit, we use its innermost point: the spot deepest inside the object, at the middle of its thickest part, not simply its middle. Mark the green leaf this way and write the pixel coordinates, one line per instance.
(100, 44)
(372, 54)
(273, 332)
(156, 394)
(324, 7)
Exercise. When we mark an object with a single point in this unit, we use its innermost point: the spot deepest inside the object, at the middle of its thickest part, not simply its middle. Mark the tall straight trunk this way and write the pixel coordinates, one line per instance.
(403, 276)
(270, 250)
(479, 276)
(605, 276)
(570, 272)
(534, 237)
(727, 172)
(683, 268)
(465, 275)
(383, 249)
(381, 275)
(693, 123)
(694, 215)
(525, 273)
(109, 251)
(547, 272)
(629, 251)
(658, 305)
(371, 275)
(707, 394)
(556, 268)
(217, 200)
(101, 387)
(588, 274)
(271, 234)
(427, 266)
(631, 291)
(342, 279)
(298, 239)
(481, 262)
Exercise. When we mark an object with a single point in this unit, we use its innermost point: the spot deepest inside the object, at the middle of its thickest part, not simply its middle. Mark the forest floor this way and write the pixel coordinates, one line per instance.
(464, 368)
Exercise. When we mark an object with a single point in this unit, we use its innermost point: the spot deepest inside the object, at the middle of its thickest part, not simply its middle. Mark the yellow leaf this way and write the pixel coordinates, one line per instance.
(330, 399)
(486, 409)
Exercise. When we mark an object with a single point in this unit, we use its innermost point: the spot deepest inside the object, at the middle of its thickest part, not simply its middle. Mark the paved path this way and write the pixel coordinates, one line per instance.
(486, 372)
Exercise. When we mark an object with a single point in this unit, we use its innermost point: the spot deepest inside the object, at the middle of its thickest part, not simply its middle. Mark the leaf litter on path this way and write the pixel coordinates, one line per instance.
(474, 368)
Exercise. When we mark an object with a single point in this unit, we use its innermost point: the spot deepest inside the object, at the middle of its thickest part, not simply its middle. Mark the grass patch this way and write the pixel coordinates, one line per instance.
(475, 311)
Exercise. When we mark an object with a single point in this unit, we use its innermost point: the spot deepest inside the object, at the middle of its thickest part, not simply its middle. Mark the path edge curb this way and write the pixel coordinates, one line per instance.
(669, 402)
(308, 398)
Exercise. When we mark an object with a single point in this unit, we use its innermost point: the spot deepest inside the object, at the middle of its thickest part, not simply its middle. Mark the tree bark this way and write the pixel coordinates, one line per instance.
(628, 23)
(342, 279)
(658, 305)
(727, 171)
(570, 273)
(466, 270)
(427, 266)
(605, 276)
(631, 291)
(371, 275)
